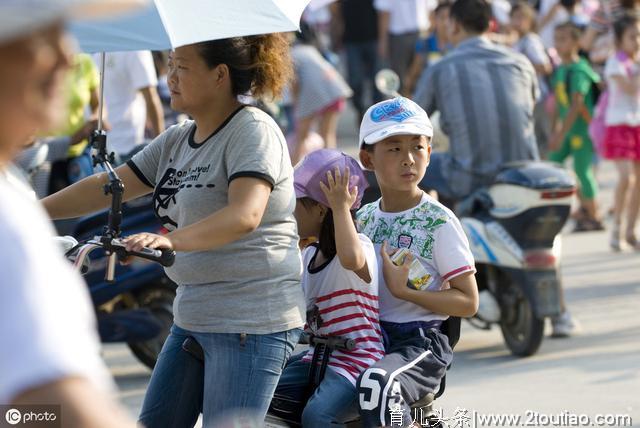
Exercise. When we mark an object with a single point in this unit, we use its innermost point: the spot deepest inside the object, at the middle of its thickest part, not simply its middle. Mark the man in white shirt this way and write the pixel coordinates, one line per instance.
(50, 348)
(400, 23)
(131, 97)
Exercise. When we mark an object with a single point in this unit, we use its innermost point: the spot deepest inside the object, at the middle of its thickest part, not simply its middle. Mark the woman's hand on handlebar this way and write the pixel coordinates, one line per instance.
(150, 240)
(140, 240)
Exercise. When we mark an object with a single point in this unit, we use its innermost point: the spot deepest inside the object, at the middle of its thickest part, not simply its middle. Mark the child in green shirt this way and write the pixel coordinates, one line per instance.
(573, 84)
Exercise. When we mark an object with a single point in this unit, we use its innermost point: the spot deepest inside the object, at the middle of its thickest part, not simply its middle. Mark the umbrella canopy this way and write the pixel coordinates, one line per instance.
(167, 24)
(318, 4)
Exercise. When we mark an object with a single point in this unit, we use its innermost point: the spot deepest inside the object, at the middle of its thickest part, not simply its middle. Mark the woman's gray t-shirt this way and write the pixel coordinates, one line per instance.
(251, 285)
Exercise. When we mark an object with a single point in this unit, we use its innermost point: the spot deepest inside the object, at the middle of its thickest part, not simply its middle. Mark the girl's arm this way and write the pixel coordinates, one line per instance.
(543, 69)
(87, 196)
(461, 300)
(577, 108)
(348, 246)
(248, 199)
(628, 85)
(554, 118)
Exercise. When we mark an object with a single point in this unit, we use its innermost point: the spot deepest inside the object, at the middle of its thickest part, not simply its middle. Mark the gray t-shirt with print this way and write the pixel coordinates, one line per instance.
(251, 285)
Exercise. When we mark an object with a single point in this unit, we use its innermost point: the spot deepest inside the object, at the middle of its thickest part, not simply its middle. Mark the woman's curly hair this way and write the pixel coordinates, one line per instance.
(259, 65)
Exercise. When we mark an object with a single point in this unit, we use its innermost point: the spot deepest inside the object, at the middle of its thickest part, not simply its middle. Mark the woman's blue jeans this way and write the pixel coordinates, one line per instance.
(239, 372)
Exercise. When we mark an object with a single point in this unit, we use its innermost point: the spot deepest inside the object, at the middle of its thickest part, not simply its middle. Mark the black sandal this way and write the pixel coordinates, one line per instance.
(588, 225)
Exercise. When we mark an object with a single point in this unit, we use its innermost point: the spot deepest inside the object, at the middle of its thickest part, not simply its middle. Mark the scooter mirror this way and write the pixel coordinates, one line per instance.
(388, 82)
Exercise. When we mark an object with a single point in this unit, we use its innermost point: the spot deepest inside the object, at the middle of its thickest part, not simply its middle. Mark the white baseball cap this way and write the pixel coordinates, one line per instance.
(397, 116)
(21, 17)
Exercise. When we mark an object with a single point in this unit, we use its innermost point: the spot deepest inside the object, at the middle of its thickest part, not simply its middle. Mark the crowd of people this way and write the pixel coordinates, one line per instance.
(270, 233)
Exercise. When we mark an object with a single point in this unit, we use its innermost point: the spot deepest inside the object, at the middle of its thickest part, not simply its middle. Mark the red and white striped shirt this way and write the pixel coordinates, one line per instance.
(340, 303)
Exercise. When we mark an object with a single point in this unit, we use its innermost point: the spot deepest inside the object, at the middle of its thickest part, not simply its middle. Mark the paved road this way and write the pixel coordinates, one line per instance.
(595, 372)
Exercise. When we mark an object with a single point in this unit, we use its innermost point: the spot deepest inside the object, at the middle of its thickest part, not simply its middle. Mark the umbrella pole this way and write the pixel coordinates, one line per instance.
(115, 187)
(101, 98)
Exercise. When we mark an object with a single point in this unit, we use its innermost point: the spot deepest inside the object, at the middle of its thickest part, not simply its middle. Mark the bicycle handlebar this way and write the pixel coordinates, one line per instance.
(165, 256)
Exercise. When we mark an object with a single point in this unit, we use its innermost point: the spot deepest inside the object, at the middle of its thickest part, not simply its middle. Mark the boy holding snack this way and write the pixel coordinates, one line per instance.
(433, 274)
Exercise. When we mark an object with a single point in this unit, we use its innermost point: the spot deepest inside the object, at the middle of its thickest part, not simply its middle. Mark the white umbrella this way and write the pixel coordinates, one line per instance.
(167, 24)
(319, 4)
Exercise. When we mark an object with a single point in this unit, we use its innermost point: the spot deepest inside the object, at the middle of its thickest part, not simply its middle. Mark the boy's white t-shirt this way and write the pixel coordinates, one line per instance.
(622, 108)
(434, 236)
(47, 323)
(340, 303)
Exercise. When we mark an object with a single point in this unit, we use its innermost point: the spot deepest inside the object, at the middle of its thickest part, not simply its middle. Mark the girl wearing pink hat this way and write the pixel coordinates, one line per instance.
(340, 282)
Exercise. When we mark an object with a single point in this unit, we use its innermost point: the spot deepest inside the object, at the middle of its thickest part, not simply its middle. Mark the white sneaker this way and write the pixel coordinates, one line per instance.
(564, 325)
(488, 308)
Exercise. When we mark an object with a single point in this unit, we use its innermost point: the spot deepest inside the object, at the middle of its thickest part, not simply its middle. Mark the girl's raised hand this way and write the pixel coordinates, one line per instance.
(337, 192)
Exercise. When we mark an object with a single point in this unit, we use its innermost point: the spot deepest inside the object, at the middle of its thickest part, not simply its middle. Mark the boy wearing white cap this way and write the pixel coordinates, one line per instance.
(427, 269)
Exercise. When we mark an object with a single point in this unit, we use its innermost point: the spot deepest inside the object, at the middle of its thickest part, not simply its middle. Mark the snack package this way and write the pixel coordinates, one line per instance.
(419, 278)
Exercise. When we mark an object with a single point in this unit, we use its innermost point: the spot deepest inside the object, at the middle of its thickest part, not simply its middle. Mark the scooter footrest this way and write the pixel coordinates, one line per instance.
(425, 402)
(286, 408)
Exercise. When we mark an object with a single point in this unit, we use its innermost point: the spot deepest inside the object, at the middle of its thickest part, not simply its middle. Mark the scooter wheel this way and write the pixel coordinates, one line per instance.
(521, 329)
(159, 300)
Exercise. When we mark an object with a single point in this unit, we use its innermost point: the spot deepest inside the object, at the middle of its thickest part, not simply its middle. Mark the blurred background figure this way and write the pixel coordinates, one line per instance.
(40, 169)
(598, 39)
(622, 135)
(319, 93)
(131, 98)
(52, 355)
(552, 13)
(400, 24)
(529, 43)
(429, 49)
(317, 18)
(355, 31)
(81, 93)
(485, 94)
(161, 63)
(574, 83)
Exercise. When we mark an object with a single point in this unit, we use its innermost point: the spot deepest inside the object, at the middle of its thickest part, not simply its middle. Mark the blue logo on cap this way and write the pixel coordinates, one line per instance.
(397, 110)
